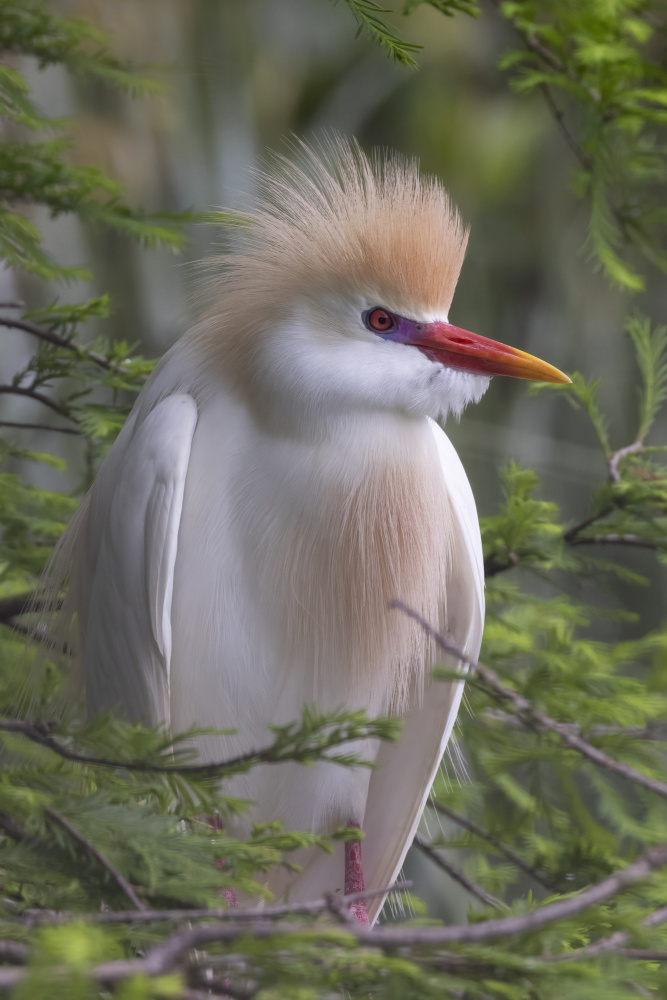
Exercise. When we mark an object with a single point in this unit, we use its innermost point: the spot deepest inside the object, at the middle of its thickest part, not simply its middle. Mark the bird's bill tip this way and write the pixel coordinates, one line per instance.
(458, 348)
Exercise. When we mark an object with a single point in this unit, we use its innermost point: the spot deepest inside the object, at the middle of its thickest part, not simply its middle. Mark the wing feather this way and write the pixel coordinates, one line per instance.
(125, 589)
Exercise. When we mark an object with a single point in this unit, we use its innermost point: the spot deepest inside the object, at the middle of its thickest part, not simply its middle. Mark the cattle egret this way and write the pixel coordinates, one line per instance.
(280, 480)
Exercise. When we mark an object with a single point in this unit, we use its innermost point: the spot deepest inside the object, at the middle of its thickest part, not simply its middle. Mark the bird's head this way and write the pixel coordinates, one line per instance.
(337, 295)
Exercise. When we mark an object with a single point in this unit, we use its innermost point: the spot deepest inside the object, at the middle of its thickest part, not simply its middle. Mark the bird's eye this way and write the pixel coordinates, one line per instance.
(379, 320)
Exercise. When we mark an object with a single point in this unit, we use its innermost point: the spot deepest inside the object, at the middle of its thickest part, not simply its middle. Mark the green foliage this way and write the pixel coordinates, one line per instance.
(447, 7)
(596, 66)
(29, 28)
(367, 15)
(651, 348)
(31, 521)
(99, 818)
(601, 59)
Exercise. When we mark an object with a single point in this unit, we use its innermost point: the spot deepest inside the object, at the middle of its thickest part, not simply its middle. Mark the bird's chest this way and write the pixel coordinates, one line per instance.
(330, 533)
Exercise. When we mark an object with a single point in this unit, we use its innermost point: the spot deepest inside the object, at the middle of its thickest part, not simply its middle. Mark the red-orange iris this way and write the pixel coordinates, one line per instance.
(380, 320)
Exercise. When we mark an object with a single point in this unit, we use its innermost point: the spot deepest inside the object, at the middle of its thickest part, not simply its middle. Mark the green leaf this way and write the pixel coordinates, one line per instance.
(367, 14)
(651, 350)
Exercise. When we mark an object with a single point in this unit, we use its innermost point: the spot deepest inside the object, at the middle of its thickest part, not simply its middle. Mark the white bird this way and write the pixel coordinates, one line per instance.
(280, 480)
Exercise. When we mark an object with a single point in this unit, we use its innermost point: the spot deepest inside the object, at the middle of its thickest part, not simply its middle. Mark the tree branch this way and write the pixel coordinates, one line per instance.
(25, 603)
(39, 634)
(612, 539)
(163, 958)
(95, 853)
(655, 732)
(477, 831)
(618, 455)
(493, 565)
(612, 943)
(559, 118)
(489, 681)
(146, 916)
(38, 733)
(455, 873)
(51, 337)
(17, 390)
(39, 427)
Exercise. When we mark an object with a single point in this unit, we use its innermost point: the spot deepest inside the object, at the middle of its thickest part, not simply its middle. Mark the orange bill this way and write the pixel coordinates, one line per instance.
(458, 348)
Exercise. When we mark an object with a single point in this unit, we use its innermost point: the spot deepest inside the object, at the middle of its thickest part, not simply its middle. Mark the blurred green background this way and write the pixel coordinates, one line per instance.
(240, 76)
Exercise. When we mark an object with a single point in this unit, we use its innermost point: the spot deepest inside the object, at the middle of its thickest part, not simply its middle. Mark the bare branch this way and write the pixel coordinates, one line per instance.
(51, 337)
(571, 534)
(39, 427)
(493, 565)
(95, 853)
(612, 943)
(17, 390)
(537, 720)
(654, 732)
(25, 603)
(559, 118)
(612, 539)
(446, 866)
(477, 831)
(618, 455)
(146, 916)
(38, 633)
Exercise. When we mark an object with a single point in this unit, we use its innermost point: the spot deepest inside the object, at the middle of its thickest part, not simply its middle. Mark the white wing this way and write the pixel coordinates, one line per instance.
(405, 771)
(124, 573)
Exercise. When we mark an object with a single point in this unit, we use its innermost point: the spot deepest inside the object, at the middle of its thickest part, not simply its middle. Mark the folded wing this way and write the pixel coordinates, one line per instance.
(125, 573)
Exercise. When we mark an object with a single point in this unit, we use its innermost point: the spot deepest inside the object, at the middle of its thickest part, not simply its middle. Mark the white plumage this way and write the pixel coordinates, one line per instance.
(280, 480)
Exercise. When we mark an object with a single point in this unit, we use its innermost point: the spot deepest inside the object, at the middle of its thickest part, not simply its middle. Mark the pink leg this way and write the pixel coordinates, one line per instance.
(229, 895)
(354, 877)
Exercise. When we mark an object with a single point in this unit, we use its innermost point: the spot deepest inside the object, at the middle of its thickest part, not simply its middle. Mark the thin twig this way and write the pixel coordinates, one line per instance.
(571, 534)
(551, 59)
(18, 390)
(455, 873)
(477, 831)
(51, 337)
(559, 118)
(618, 455)
(95, 853)
(634, 540)
(612, 943)
(38, 633)
(39, 733)
(493, 565)
(655, 732)
(146, 916)
(25, 603)
(39, 427)
(538, 720)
